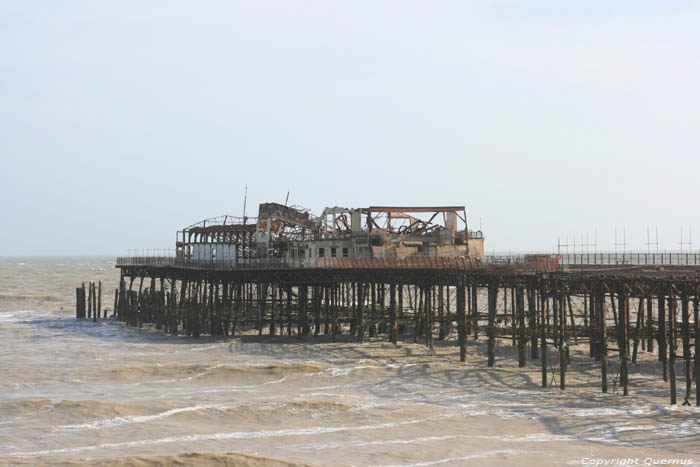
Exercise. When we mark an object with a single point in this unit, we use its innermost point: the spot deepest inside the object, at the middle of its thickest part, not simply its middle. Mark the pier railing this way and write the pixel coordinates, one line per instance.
(420, 262)
(534, 262)
(632, 259)
(600, 259)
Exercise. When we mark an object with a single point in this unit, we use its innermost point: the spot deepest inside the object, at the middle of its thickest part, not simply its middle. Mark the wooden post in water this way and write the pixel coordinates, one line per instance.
(89, 300)
(392, 314)
(122, 306)
(99, 300)
(642, 326)
(622, 341)
(461, 322)
(273, 312)
(280, 307)
(475, 311)
(532, 321)
(261, 291)
(522, 340)
(441, 313)
(94, 301)
(586, 321)
(327, 310)
(543, 335)
(591, 328)
(428, 318)
(491, 333)
(661, 335)
(696, 309)
(594, 325)
(649, 326)
(400, 324)
(372, 331)
(640, 313)
(93, 289)
(602, 308)
(317, 297)
(563, 347)
(573, 324)
(289, 310)
(468, 312)
(172, 310)
(336, 292)
(78, 311)
(306, 329)
(83, 299)
(417, 312)
(447, 318)
(179, 311)
(685, 315)
(513, 313)
(115, 311)
(672, 345)
(360, 313)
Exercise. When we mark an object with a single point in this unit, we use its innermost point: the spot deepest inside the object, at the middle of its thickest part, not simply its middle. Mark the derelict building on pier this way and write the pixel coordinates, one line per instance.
(293, 233)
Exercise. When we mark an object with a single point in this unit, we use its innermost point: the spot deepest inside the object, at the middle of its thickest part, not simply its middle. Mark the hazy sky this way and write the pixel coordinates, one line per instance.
(123, 121)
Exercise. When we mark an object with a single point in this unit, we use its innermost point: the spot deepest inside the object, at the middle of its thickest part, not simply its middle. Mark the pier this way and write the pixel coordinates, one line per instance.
(417, 274)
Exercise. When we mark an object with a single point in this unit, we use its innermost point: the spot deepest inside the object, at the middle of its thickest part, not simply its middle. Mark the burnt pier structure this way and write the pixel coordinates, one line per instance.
(417, 274)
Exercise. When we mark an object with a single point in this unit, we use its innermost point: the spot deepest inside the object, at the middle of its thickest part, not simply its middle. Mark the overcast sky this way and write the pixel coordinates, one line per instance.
(123, 121)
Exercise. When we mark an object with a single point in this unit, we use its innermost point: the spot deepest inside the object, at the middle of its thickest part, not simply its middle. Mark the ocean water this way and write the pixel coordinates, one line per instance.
(82, 392)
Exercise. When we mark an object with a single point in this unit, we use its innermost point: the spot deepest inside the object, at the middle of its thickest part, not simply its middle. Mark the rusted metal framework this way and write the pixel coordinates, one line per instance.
(282, 229)
(290, 232)
(222, 230)
(338, 222)
(430, 230)
(406, 220)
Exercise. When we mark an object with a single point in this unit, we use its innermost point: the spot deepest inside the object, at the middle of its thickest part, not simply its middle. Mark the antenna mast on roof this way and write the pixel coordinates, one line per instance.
(286, 201)
(623, 244)
(650, 243)
(245, 201)
(690, 241)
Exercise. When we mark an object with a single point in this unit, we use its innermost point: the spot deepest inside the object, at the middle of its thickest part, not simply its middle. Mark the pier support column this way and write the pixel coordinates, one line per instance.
(543, 337)
(520, 312)
(563, 345)
(360, 313)
(600, 302)
(532, 321)
(491, 332)
(428, 318)
(402, 326)
(461, 322)
(661, 335)
(672, 345)
(475, 311)
(441, 313)
(685, 316)
(273, 311)
(649, 326)
(288, 291)
(696, 309)
(393, 329)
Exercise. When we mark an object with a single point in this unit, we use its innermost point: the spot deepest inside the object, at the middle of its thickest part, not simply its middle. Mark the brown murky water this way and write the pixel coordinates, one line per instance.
(82, 392)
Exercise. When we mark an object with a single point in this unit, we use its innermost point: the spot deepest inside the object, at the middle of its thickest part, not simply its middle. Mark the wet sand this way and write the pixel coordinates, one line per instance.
(77, 392)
